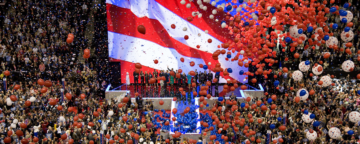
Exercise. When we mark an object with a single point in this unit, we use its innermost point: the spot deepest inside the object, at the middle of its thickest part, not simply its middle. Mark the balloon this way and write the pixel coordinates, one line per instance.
(316, 68)
(279, 119)
(316, 123)
(349, 16)
(342, 12)
(348, 65)
(310, 29)
(272, 126)
(276, 83)
(312, 116)
(327, 81)
(300, 31)
(303, 97)
(302, 92)
(335, 133)
(229, 70)
(297, 75)
(19, 133)
(335, 26)
(269, 100)
(332, 9)
(228, 8)
(306, 112)
(311, 135)
(350, 132)
(241, 72)
(326, 37)
(141, 29)
(220, 98)
(347, 29)
(344, 20)
(272, 10)
(287, 39)
(354, 116)
(242, 105)
(303, 67)
(205, 67)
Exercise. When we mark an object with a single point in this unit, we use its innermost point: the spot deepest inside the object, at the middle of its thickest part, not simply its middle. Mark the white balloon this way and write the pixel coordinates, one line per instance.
(32, 99)
(61, 118)
(188, 5)
(209, 63)
(214, 11)
(273, 20)
(348, 17)
(332, 41)
(245, 61)
(242, 52)
(185, 29)
(216, 20)
(348, 65)
(311, 136)
(206, 31)
(350, 36)
(211, 16)
(326, 81)
(354, 116)
(204, 8)
(306, 118)
(111, 113)
(13, 125)
(199, 15)
(304, 97)
(315, 69)
(199, 2)
(182, 2)
(334, 133)
(294, 31)
(238, 9)
(303, 67)
(297, 75)
(268, 8)
(213, 3)
(15, 121)
(254, 16)
(9, 103)
(223, 25)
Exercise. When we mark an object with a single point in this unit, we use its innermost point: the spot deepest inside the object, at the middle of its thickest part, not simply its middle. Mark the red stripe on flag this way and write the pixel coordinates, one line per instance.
(204, 23)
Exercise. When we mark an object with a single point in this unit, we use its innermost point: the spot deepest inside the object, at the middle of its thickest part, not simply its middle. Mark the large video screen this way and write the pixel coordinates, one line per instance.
(173, 32)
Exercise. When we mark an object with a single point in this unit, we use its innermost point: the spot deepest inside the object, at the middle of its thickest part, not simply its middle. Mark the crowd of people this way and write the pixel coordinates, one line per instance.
(73, 109)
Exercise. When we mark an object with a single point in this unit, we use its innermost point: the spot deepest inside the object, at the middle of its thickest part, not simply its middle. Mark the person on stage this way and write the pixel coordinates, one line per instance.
(155, 74)
(136, 79)
(146, 79)
(201, 78)
(210, 78)
(142, 79)
(189, 80)
(196, 77)
(183, 79)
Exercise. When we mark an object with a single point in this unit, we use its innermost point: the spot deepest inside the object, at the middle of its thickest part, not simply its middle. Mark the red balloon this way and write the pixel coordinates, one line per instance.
(161, 102)
(52, 102)
(44, 90)
(27, 103)
(141, 29)
(96, 114)
(48, 83)
(71, 141)
(35, 139)
(16, 87)
(6, 73)
(91, 142)
(24, 141)
(13, 98)
(82, 96)
(63, 137)
(9, 133)
(19, 133)
(23, 125)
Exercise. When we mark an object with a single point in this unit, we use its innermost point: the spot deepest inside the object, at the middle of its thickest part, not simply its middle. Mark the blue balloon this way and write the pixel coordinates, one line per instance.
(302, 92)
(205, 67)
(306, 112)
(333, 9)
(217, 73)
(344, 20)
(307, 62)
(241, 1)
(99, 121)
(279, 118)
(287, 39)
(347, 29)
(342, 12)
(335, 26)
(229, 70)
(272, 10)
(346, 5)
(272, 126)
(276, 83)
(241, 72)
(312, 116)
(261, 104)
(246, 23)
(310, 29)
(242, 105)
(300, 31)
(220, 98)
(350, 132)
(223, 22)
(228, 56)
(269, 100)
(326, 37)
(316, 123)
(229, 7)
(358, 92)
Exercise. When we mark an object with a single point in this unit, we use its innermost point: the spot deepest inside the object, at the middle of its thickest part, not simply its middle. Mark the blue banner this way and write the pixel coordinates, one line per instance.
(101, 138)
(268, 138)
